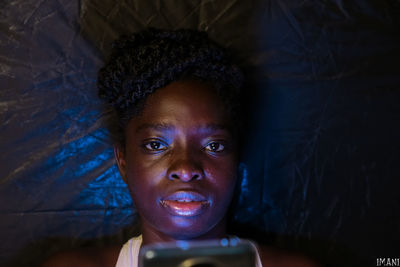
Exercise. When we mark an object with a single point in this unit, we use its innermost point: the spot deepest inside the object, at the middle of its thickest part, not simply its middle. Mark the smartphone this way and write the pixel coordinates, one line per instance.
(232, 252)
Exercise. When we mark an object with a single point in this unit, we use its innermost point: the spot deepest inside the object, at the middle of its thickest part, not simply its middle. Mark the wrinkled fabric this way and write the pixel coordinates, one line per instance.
(320, 167)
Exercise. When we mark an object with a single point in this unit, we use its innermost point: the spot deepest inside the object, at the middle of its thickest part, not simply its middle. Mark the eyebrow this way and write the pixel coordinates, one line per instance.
(162, 127)
(155, 126)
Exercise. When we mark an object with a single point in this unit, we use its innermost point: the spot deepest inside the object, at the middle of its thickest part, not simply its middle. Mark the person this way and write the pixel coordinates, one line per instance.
(173, 99)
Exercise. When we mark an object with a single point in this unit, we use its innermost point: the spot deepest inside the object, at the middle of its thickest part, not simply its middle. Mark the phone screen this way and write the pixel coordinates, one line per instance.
(232, 252)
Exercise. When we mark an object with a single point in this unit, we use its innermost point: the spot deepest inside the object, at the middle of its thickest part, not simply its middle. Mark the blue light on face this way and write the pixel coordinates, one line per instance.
(182, 222)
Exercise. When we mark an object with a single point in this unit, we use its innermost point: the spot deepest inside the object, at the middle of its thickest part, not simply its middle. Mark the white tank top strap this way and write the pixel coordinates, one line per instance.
(129, 254)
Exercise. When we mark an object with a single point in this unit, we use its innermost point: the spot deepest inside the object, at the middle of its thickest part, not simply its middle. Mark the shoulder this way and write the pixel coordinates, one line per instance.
(275, 257)
(93, 257)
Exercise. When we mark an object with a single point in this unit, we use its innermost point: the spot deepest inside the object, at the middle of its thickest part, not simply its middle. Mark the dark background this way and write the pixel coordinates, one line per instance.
(322, 154)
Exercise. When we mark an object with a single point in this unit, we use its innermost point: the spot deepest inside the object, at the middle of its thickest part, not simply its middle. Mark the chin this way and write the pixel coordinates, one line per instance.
(186, 232)
(191, 229)
(184, 236)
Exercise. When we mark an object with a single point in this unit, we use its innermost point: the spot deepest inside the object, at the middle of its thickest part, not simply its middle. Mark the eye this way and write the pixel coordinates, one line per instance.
(215, 147)
(154, 146)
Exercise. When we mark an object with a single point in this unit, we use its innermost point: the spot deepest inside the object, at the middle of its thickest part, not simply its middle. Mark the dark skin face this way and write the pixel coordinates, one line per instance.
(179, 148)
(180, 163)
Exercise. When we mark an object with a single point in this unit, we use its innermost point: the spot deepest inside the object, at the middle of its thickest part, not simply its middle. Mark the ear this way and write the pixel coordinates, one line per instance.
(121, 162)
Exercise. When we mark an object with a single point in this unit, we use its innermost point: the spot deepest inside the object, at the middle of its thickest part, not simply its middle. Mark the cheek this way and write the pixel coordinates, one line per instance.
(223, 168)
(143, 176)
(146, 166)
(223, 175)
(142, 184)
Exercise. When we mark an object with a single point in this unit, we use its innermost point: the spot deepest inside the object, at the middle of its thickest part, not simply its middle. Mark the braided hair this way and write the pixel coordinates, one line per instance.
(143, 62)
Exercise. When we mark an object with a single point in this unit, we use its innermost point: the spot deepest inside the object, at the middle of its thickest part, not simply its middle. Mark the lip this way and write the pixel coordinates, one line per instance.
(185, 203)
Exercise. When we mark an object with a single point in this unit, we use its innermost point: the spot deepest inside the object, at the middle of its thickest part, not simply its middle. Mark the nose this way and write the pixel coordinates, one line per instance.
(185, 169)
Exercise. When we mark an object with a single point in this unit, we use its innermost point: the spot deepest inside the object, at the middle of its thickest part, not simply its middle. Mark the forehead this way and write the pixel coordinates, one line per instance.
(189, 104)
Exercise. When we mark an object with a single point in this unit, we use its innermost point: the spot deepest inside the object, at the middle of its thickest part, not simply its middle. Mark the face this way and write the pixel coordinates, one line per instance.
(180, 163)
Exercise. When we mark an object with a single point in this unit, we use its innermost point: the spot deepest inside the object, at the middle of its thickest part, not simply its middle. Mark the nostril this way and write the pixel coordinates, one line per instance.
(184, 177)
(174, 176)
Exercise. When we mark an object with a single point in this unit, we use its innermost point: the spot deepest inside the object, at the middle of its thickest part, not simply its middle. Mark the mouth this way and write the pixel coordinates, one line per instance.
(185, 203)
